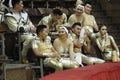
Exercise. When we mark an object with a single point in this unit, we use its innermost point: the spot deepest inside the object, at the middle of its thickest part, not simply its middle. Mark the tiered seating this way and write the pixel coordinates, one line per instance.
(100, 14)
(39, 8)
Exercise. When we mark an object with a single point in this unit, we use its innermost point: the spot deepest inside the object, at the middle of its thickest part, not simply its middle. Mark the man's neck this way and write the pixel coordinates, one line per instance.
(41, 38)
(87, 13)
(16, 10)
(78, 15)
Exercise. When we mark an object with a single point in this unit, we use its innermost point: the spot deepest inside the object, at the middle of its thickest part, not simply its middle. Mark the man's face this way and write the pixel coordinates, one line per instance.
(56, 17)
(77, 30)
(79, 10)
(44, 33)
(19, 6)
(88, 8)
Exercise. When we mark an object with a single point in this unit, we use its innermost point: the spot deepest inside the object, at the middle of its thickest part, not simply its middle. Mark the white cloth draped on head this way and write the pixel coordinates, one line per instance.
(80, 7)
(62, 27)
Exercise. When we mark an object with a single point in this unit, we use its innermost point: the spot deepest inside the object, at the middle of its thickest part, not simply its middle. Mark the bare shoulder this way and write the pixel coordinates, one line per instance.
(111, 37)
(72, 16)
(56, 40)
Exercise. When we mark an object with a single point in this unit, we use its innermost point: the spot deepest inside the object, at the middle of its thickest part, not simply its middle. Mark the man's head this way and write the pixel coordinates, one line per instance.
(79, 9)
(42, 31)
(76, 27)
(56, 14)
(17, 4)
(88, 7)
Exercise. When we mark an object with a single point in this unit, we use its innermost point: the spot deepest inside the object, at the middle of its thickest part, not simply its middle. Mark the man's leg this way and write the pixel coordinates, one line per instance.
(26, 45)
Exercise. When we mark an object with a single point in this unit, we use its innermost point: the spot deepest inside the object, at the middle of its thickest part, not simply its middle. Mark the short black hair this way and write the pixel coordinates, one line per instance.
(6, 2)
(87, 2)
(57, 11)
(14, 2)
(40, 28)
(75, 24)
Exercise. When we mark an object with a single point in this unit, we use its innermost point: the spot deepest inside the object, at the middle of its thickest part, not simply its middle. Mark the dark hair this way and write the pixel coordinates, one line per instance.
(102, 26)
(14, 2)
(57, 11)
(87, 2)
(75, 24)
(40, 28)
(6, 2)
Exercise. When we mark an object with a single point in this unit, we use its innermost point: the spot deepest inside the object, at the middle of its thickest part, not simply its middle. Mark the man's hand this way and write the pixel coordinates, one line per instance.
(56, 55)
(33, 30)
(64, 55)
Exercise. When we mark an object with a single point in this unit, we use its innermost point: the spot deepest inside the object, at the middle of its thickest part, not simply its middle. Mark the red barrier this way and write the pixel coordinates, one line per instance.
(105, 71)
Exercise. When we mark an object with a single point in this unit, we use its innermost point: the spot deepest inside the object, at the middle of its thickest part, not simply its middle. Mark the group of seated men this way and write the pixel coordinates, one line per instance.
(76, 35)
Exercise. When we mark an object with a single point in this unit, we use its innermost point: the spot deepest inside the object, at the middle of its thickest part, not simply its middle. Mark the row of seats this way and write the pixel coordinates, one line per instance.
(48, 3)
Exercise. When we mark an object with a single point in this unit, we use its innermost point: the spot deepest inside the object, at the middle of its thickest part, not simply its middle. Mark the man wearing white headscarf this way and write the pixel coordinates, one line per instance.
(77, 16)
(76, 28)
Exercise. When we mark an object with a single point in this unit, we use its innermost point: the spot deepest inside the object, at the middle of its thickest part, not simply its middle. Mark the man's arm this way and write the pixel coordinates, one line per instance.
(70, 21)
(31, 26)
(95, 25)
(12, 23)
(35, 48)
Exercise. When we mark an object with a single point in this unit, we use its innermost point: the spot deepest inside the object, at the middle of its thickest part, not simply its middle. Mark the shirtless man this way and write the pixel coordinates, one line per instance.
(89, 21)
(77, 16)
(90, 25)
(78, 44)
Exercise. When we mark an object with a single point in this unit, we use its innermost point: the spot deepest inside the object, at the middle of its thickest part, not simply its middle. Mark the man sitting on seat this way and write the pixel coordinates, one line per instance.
(3, 9)
(56, 18)
(42, 46)
(17, 19)
(79, 44)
